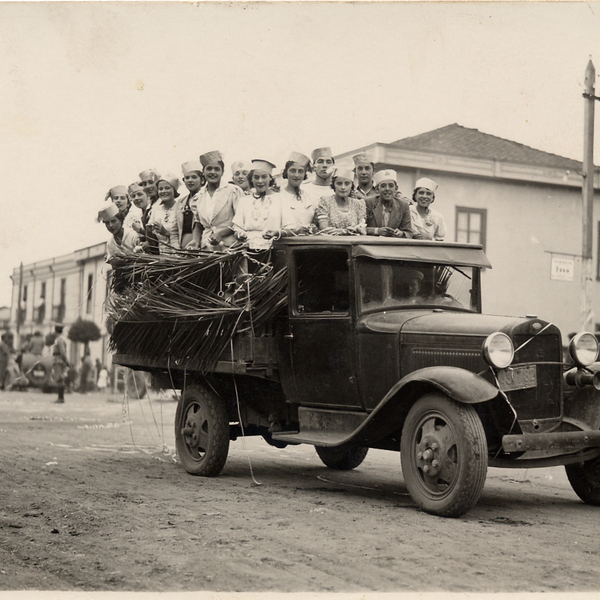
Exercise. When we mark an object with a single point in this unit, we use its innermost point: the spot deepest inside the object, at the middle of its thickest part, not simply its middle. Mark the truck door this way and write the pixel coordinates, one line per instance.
(321, 341)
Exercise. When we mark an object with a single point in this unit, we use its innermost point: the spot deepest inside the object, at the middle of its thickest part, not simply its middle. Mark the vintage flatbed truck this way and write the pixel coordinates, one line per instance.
(381, 343)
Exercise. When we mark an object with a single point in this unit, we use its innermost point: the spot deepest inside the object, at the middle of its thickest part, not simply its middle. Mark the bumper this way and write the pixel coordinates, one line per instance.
(568, 441)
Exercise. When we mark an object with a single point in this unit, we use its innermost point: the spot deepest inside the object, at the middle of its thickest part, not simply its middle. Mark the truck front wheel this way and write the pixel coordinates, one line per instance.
(585, 480)
(343, 458)
(443, 451)
(201, 431)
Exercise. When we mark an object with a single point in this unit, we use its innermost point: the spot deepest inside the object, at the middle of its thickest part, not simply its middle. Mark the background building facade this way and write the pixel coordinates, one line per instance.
(61, 290)
(523, 205)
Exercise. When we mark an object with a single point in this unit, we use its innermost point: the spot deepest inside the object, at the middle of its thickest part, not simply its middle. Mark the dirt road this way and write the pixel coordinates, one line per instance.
(92, 498)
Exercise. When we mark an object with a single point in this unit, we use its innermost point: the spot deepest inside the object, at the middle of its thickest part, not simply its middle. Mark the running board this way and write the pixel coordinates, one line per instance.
(321, 427)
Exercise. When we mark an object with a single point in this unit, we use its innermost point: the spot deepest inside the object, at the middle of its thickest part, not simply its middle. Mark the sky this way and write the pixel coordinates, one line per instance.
(92, 93)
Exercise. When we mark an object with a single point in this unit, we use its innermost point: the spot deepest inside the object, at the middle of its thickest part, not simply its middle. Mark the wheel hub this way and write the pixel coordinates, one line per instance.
(192, 431)
(428, 457)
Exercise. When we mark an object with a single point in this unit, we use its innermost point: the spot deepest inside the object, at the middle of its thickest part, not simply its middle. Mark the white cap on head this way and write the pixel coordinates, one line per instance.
(108, 212)
(300, 159)
(258, 164)
(362, 158)
(343, 173)
(149, 174)
(428, 184)
(190, 166)
(171, 180)
(387, 175)
(211, 158)
(321, 153)
(239, 165)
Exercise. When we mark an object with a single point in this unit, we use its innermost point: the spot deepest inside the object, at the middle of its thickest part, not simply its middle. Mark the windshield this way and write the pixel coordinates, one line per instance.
(391, 284)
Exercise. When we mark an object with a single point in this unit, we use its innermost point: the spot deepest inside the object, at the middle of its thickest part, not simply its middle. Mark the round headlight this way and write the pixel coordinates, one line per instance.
(498, 350)
(584, 349)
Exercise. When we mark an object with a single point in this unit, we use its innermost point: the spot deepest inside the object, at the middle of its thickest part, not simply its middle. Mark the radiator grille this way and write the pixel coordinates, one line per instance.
(547, 395)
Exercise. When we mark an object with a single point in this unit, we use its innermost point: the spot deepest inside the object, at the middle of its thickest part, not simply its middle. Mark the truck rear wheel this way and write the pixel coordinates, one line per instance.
(201, 431)
(443, 451)
(585, 480)
(342, 458)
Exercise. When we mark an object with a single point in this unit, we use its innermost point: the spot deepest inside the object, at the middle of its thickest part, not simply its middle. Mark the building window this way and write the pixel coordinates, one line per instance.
(43, 292)
(25, 294)
(90, 288)
(471, 225)
(58, 312)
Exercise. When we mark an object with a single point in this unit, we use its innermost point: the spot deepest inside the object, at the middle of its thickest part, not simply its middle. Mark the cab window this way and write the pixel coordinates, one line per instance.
(322, 281)
(385, 284)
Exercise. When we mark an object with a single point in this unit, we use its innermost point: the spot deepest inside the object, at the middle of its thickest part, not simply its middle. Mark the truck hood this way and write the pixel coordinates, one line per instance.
(442, 322)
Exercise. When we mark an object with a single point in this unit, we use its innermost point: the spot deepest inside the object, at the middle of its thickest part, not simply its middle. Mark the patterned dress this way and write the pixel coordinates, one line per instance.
(340, 219)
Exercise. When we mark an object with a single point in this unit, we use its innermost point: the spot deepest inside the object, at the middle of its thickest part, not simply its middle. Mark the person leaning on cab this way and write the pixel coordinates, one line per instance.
(340, 213)
(193, 180)
(122, 240)
(298, 207)
(163, 220)
(215, 206)
(388, 215)
(427, 223)
(119, 196)
(258, 215)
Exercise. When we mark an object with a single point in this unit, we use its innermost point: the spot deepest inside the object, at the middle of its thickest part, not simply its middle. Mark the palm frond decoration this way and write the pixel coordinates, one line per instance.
(186, 309)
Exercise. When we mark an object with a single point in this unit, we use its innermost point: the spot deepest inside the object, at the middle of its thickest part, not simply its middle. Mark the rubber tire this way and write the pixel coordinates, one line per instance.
(342, 458)
(585, 480)
(204, 454)
(462, 455)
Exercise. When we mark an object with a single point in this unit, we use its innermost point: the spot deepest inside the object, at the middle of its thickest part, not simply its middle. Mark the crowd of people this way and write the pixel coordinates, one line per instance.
(155, 215)
(35, 349)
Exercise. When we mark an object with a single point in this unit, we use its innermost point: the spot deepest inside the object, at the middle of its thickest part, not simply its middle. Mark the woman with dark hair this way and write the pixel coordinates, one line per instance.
(427, 223)
(140, 199)
(163, 220)
(340, 213)
(119, 196)
(122, 240)
(193, 180)
(298, 207)
(215, 207)
(259, 214)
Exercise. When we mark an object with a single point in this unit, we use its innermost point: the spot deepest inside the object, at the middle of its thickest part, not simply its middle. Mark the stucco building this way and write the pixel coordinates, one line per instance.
(62, 289)
(522, 204)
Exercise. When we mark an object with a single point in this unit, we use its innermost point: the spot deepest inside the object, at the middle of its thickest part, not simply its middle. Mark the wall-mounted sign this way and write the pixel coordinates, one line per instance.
(562, 269)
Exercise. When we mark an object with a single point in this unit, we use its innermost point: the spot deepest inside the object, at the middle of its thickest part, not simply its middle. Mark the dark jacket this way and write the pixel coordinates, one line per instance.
(399, 216)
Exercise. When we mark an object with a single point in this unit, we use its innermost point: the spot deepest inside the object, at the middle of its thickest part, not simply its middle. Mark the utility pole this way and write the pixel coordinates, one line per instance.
(588, 199)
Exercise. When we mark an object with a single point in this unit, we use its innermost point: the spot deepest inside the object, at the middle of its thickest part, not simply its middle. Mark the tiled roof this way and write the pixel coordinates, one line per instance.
(461, 141)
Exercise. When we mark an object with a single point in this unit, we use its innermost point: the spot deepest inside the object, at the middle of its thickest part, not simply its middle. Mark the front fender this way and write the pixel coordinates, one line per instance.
(388, 416)
(459, 384)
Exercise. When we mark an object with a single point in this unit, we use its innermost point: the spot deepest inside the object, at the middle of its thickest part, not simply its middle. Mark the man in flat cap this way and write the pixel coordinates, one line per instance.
(388, 215)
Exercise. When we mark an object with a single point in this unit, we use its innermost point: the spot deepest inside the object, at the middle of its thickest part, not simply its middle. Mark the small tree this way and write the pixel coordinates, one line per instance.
(84, 332)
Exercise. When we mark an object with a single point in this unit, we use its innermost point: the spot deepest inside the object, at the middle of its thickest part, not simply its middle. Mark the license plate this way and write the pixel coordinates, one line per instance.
(38, 373)
(517, 378)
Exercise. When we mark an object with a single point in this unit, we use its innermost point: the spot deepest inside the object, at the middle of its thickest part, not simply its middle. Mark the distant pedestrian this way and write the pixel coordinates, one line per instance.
(61, 363)
(102, 379)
